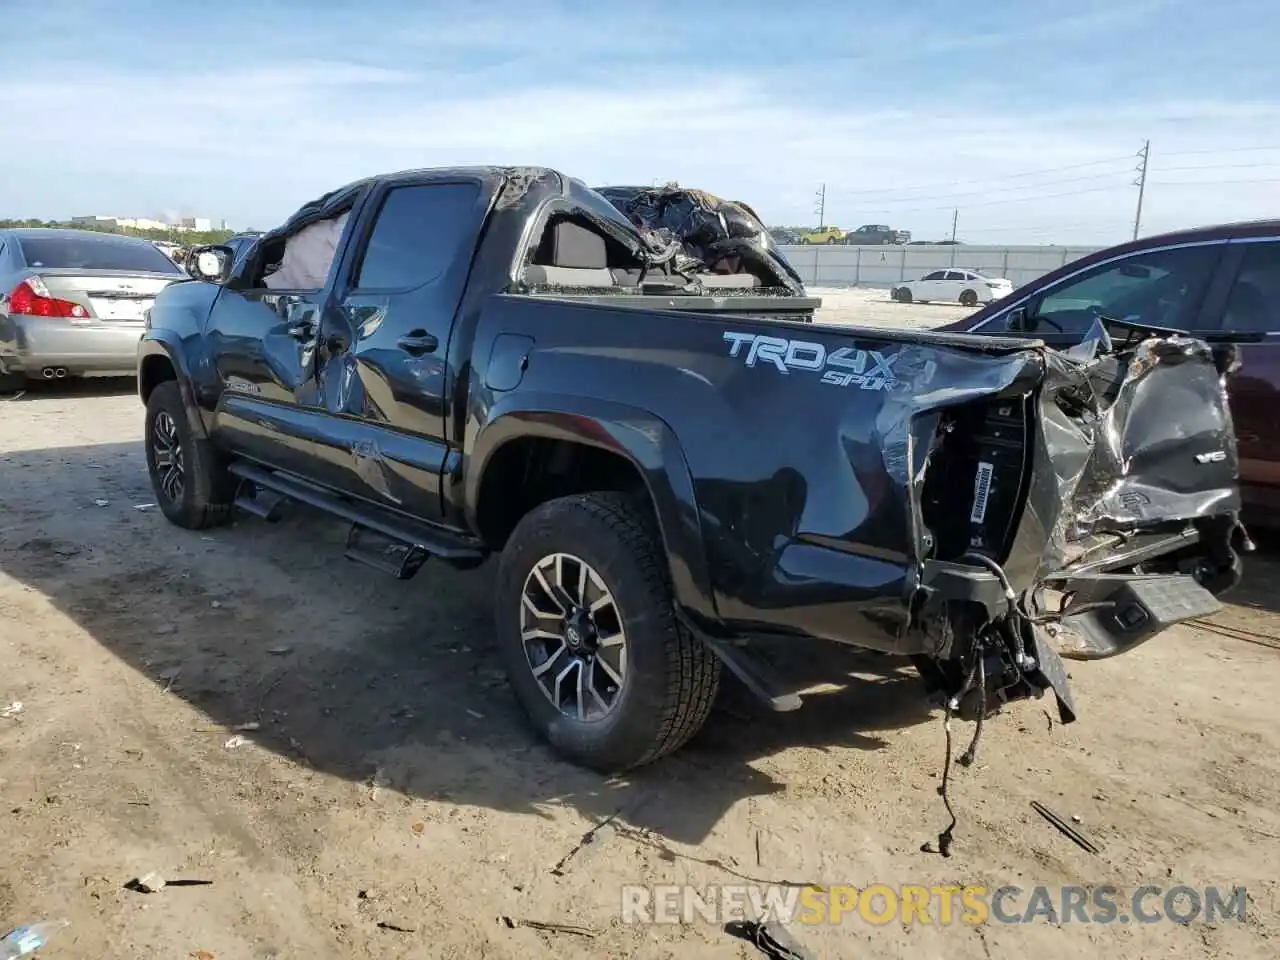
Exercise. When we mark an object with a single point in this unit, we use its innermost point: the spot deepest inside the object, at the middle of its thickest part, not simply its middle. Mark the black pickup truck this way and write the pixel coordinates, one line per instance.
(623, 393)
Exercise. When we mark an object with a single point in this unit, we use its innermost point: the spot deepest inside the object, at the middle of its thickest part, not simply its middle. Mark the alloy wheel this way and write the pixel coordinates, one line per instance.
(167, 453)
(573, 637)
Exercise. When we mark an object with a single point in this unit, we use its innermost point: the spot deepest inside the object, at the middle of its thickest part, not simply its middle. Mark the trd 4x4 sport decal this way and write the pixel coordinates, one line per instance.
(842, 367)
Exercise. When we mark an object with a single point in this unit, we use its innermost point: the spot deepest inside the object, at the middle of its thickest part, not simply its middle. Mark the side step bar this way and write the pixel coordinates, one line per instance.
(405, 543)
(754, 672)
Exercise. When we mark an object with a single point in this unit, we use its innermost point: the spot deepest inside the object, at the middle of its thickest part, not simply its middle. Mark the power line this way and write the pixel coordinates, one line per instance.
(1195, 153)
(821, 208)
(1050, 226)
(999, 179)
(1223, 166)
(1208, 183)
(983, 193)
(993, 203)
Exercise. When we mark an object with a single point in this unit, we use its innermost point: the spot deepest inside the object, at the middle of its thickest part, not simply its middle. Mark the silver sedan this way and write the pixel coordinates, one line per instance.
(72, 301)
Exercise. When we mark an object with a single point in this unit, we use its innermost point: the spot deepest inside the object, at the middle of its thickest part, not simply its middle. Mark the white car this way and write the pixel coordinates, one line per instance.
(965, 286)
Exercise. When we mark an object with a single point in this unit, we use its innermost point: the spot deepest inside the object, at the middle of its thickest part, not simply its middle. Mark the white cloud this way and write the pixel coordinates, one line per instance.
(252, 143)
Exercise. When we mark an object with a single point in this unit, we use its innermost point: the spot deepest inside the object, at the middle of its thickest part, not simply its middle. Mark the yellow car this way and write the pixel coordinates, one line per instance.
(826, 235)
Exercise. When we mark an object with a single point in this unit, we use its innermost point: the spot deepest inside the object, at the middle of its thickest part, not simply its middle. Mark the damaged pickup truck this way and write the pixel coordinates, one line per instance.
(623, 394)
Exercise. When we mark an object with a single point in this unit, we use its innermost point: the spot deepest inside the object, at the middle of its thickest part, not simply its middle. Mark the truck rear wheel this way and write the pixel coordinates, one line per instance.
(598, 661)
(191, 483)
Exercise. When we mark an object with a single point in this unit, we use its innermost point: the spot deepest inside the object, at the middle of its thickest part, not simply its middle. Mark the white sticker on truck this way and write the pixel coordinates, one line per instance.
(981, 491)
(841, 366)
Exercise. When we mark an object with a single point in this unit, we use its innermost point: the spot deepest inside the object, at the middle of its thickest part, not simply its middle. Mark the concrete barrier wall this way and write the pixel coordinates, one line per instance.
(840, 266)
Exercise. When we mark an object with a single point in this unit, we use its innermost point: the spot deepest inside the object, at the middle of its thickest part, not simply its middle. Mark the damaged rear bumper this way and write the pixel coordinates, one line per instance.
(1125, 523)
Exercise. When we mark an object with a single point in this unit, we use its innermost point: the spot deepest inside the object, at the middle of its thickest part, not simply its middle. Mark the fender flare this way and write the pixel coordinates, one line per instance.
(168, 345)
(643, 439)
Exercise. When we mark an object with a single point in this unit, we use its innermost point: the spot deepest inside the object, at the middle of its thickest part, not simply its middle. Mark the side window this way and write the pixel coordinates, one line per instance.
(936, 275)
(955, 275)
(302, 260)
(1163, 288)
(415, 236)
(1253, 306)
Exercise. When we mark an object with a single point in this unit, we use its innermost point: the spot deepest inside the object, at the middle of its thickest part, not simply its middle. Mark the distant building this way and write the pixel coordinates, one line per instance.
(117, 223)
(185, 225)
(95, 221)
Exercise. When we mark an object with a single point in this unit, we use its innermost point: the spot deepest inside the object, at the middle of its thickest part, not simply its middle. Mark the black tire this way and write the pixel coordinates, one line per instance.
(205, 493)
(671, 678)
(904, 295)
(12, 382)
(968, 299)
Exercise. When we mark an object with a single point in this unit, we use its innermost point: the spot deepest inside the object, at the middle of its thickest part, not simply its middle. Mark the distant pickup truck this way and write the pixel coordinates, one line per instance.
(627, 401)
(876, 234)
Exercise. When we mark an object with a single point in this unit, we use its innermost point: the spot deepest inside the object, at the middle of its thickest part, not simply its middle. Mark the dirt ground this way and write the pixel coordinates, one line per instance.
(387, 800)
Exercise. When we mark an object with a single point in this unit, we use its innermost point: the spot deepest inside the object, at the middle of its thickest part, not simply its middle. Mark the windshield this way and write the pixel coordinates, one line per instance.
(95, 253)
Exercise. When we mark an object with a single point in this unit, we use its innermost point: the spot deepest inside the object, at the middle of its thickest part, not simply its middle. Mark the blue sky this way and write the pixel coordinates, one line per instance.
(1025, 116)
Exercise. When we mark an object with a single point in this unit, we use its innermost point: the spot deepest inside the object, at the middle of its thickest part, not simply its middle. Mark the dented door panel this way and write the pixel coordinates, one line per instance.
(384, 374)
(263, 348)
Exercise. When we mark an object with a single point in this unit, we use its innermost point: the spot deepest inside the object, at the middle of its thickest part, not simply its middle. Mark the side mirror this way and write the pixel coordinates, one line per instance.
(211, 264)
(1018, 319)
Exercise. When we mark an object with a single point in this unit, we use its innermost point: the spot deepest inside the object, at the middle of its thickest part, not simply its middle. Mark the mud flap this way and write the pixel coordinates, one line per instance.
(1052, 675)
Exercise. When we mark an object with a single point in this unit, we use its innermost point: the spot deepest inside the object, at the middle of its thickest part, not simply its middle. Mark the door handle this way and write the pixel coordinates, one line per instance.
(302, 330)
(417, 343)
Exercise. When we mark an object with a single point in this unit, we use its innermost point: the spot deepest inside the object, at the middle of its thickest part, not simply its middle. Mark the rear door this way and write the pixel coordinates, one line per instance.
(953, 285)
(1251, 304)
(385, 377)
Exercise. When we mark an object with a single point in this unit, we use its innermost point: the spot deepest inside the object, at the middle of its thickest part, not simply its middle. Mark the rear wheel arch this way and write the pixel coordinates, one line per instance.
(525, 458)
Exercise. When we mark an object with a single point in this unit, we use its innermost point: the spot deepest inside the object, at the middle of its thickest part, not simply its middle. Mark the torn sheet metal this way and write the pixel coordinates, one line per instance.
(714, 235)
(1135, 441)
(1138, 438)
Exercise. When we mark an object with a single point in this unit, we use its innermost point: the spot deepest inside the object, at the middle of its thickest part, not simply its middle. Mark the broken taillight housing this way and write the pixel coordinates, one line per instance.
(31, 298)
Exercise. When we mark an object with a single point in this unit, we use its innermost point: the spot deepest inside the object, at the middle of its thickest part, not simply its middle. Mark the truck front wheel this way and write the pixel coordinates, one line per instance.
(590, 641)
(190, 481)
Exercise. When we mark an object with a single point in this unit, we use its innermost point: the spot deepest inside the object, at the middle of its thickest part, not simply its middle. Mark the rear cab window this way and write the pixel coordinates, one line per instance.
(95, 253)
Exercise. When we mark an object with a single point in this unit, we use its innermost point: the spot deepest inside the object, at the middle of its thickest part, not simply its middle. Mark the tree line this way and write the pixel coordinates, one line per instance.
(187, 238)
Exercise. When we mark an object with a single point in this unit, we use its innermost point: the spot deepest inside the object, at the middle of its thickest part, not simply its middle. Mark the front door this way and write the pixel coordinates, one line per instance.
(385, 373)
(1163, 287)
(263, 345)
(952, 286)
